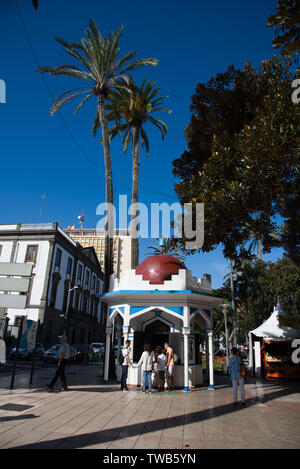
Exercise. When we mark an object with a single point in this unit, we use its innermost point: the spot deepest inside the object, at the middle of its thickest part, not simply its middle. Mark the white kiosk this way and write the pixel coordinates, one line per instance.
(160, 301)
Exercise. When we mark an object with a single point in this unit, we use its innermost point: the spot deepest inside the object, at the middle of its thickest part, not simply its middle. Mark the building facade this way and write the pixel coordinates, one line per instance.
(65, 284)
(122, 245)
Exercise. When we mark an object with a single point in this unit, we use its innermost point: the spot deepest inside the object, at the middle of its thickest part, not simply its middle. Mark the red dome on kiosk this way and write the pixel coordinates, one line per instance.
(159, 268)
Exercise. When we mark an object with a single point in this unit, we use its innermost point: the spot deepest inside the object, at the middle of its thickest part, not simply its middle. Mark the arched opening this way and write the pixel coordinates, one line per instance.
(201, 325)
(156, 333)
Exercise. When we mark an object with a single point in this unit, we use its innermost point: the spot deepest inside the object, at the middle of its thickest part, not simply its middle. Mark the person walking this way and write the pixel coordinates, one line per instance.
(169, 366)
(125, 364)
(235, 363)
(64, 354)
(146, 361)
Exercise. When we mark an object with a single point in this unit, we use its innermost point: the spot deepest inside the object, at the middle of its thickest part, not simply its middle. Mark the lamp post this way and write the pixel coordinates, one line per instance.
(65, 316)
(224, 309)
(233, 305)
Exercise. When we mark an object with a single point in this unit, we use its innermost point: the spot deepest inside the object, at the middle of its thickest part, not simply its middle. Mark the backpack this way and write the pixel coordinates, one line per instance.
(175, 358)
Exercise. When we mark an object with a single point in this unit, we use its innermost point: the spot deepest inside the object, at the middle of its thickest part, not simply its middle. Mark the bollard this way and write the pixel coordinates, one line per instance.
(16, 354)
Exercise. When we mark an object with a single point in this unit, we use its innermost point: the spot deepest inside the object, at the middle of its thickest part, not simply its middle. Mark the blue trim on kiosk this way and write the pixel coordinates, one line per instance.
(154, 292)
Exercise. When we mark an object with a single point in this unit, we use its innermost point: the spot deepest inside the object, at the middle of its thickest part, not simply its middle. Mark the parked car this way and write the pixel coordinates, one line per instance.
(27, 354)
(52, 354)
(73, 353)
(96, 347)
(81, 350)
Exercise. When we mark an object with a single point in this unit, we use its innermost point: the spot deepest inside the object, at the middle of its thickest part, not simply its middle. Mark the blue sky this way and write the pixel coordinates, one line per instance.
(193, 40)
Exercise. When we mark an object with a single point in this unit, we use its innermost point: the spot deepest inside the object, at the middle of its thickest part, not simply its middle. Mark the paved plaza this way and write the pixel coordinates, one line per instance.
(94, 416)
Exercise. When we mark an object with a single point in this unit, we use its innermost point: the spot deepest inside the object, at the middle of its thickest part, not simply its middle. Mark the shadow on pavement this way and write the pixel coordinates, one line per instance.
(113, 434)
(18, 417)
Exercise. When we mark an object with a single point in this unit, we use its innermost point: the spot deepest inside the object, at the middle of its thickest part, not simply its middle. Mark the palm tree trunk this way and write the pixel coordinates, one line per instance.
(259, 249)
(134, 197)
(108, 261)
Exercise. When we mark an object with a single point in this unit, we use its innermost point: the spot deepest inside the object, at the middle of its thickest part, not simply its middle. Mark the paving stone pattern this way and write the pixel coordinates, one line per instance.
(94, 416)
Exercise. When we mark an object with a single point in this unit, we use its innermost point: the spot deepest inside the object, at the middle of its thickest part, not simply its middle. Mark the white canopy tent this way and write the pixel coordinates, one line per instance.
(271, 327)
(271, 330)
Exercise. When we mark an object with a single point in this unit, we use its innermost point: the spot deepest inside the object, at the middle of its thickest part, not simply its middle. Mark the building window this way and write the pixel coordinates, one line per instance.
(53, 294)
(31, 253)
(58, 258)
(55, 281)
(77, 295)
(94, 282)
(85, 304)
(66, 294)
(79, 274)
(87, 279)
(69, 266)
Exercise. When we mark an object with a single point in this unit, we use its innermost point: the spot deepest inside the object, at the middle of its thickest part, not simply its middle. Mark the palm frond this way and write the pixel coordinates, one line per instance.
(56, 104)
(99, 64)
(140, 63)
(85, 99)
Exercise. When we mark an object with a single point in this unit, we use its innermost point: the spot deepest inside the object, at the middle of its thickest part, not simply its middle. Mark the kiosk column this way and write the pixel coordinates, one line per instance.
(211, 358)
(108, 331)
(186, 332)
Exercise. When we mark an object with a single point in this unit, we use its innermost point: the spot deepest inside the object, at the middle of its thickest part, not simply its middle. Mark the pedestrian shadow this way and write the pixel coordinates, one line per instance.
(9, 418)
(144, 428)
(101, 388)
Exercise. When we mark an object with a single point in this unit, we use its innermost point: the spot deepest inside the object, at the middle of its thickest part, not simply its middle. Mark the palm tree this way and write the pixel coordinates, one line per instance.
(131, 108)
(168, 247)
(102, 71)
(255, 241)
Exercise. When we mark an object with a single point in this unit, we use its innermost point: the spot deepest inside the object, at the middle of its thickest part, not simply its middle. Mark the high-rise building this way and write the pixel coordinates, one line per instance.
(122, 259)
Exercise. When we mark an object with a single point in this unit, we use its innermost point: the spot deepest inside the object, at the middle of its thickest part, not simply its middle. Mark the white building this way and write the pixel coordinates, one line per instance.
(59, 264)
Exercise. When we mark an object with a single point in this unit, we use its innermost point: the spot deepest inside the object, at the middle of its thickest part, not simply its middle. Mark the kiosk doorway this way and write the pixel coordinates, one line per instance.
(156, 333)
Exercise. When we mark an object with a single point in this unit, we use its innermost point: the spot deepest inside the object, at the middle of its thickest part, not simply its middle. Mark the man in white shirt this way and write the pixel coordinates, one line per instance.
(125, 364)
(64, 354)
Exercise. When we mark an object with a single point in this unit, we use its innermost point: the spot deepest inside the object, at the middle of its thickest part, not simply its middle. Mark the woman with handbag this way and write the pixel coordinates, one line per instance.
(236, 367)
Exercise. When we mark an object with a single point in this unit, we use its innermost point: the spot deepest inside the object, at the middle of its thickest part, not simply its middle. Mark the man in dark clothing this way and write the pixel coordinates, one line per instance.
(64, 354)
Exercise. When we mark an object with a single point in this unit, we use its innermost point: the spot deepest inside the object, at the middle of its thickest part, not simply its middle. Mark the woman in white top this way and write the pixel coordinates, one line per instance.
(146, 361)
